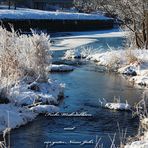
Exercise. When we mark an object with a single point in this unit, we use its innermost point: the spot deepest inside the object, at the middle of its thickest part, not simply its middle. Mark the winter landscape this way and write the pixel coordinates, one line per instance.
(85, 87)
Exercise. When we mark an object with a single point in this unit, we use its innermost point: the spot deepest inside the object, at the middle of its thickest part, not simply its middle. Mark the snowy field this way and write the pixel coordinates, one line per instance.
(39, 14)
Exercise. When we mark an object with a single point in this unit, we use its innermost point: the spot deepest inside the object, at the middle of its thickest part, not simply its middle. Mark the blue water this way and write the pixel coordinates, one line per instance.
(84, 86)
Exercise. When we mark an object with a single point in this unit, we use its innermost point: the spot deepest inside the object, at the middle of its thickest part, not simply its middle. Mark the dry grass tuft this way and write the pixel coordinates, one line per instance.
(131, 58)
(113, 63)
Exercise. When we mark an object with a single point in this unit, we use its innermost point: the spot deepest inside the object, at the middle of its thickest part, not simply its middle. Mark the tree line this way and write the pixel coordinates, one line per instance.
(13, 3)
(132, 13)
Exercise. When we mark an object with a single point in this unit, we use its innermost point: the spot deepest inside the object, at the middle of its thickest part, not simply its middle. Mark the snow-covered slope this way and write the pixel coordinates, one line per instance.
(39, 14)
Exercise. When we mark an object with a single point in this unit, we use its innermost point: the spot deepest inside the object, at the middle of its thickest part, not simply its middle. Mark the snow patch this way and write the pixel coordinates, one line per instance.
(81, 53)
(141, 80)
(25, 94)
(115, 106)
(15, 115)
(128, 70)
(61, 68)
(44, 109)
(24, 98)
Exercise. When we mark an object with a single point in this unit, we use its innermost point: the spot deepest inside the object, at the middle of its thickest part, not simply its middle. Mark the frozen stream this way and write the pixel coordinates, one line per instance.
(84, 86)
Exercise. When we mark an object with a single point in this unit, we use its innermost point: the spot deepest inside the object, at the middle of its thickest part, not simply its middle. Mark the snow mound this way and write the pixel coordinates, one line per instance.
(25, 94)
(61, 68)
(12, 116)
(115, 106)
(73, 54)
(81, 53)
(107, 58)
(128, 70)
(121, 56)
(44, 109)
(140, 80)
(138, 144)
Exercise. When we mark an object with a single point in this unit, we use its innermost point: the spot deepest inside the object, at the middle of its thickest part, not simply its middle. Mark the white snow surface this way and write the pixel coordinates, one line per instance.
(115, 105)
(119, 59)
(15, 115)
(22, 94)
(77, 53)
(48, 92)
(61, 68)
(104, 58)
(138, 144)
(118, 106)
(23, 13)
(44, 109)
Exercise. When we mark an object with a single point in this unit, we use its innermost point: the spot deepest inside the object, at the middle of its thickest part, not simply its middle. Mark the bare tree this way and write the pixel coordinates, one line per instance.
(134, 15)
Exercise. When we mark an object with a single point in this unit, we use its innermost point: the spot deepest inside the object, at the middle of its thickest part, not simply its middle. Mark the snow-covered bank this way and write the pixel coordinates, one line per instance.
(27, 101)
(12, 116)
(122, 57)
(39, 14)
(142, 141)
(28, 94)
(128, 62)
(132, 63)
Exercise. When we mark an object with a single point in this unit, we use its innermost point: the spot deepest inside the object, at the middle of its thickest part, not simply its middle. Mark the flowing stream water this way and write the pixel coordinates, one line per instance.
(84, 86)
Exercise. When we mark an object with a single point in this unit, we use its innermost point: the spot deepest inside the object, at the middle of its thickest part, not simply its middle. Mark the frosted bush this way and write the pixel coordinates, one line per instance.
(35, 54)
(83, 52)
(10, 70)
(23, 56)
